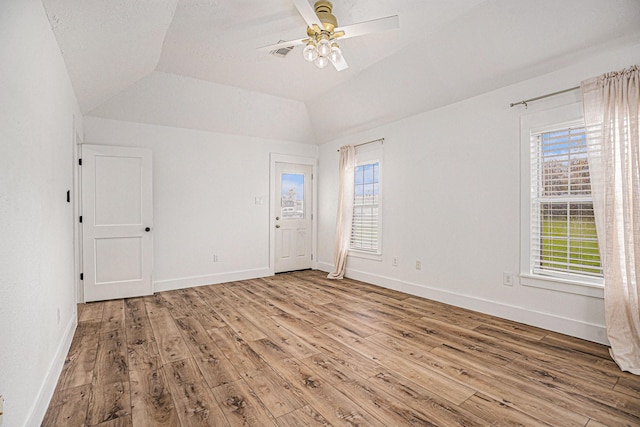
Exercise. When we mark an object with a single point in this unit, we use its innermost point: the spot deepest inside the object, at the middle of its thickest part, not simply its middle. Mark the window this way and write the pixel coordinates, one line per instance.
(292, 197)
(562, 225)
(365, 230)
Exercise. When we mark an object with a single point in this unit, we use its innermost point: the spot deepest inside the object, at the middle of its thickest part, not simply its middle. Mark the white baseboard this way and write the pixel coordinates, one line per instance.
(41, 404)
(210, 279)
(551, 322)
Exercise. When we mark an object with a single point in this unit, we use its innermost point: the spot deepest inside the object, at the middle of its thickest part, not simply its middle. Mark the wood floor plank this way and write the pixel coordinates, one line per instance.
(241, 355)
(336, 315)
(594, 423)
(194, 401)
(171, 345)
(125, 421)
(305, 416)
(492, 349)
(384, 407)
(80, 361)
(174, 302)
(588, 347)
(333, 405)
(487, 408)
(110, 391)
(410, 334)
(269, 351)
(299, 349)
(421, 374)
(108, 401)
(205, 314)
(68, 407)
(601, 399)
(241, 406)
(554, 349)
(251, 290)
(277, 394)
(540, 385)
(445, 313)
(304, 293)
(629, 385)
(214, 365)
(112, 316)
(436, 410)
(137, 325)
(291, 344)
(330, 347)
(90, 311)
(151, 401)
(239, 323)
(491, 381)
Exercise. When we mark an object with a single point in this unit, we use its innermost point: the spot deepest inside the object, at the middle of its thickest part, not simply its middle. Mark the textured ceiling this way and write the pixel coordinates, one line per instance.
(175, 62)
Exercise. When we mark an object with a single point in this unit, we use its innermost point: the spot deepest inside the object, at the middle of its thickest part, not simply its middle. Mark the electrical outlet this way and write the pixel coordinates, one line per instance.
(418, 265)
(216, 258)
(395, 261)
(507, 279)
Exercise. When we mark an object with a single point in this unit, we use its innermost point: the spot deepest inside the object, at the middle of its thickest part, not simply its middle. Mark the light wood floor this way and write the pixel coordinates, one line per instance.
(299, 350)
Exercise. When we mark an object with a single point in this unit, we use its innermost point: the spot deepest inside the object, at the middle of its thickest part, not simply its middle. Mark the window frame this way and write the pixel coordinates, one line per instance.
(369, 155)
(562, 117)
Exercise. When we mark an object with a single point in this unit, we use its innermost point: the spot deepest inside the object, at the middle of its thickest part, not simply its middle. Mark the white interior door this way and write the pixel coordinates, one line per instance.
(293, 222)
(117, 221)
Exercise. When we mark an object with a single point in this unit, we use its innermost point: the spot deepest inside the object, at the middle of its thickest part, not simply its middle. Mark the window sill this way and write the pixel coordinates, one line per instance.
(366, 255)
(590, 289)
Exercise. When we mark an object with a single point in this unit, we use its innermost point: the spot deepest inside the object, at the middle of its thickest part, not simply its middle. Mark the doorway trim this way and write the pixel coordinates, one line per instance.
(285, 158)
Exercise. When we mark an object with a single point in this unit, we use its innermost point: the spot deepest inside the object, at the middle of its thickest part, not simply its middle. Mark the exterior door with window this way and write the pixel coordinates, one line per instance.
(293, 221)
(117, 221)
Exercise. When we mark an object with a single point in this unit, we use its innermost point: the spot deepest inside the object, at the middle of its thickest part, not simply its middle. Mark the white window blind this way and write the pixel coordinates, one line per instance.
(563, 231)
(365, 225)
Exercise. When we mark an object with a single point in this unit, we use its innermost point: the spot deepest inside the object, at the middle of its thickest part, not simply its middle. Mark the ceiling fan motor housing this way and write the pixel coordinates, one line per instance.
(323, 10)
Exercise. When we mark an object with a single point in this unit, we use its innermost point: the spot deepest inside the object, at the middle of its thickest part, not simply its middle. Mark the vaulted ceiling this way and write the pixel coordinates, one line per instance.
(194, 63)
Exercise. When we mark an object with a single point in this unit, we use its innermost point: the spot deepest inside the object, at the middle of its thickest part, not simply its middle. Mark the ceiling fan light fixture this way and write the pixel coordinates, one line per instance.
(323, 31)
(310, 53)
(321, 61)
(324, 47)
(336, 53)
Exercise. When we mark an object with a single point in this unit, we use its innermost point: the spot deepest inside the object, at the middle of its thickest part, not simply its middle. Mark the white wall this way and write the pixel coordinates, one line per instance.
(204, 190)
(37, 301)
(451, 194)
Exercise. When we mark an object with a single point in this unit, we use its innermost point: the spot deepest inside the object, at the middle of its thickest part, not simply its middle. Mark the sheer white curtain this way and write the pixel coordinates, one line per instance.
(611, 104)
(345, 211)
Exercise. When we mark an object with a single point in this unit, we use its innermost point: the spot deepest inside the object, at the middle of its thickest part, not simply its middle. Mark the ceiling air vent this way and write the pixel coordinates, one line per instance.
(282, 52)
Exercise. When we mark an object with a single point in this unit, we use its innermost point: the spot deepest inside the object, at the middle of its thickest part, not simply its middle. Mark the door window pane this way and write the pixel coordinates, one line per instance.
(292, 197)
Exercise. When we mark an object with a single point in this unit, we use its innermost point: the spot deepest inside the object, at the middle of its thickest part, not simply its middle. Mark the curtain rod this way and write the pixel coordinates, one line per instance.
(513, 104)
(368, 142)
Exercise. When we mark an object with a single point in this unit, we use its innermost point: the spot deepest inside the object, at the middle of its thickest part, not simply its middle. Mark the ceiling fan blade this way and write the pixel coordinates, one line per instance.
(308, 13)
(283, 44)
(341, 65)
(374, 26)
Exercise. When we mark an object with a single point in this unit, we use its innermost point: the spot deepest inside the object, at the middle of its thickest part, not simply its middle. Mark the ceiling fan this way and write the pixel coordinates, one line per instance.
(321, 46)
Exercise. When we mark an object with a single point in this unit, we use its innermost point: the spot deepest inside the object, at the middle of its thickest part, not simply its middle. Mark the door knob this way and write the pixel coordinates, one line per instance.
(277, 218)
(147, 229)
(277, 226)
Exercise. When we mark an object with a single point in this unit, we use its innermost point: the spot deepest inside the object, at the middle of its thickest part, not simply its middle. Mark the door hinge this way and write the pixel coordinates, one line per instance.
(311, 217)
(311, 176)
(79, 162)
(311, 257)
(80, 219)
(81, 276)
